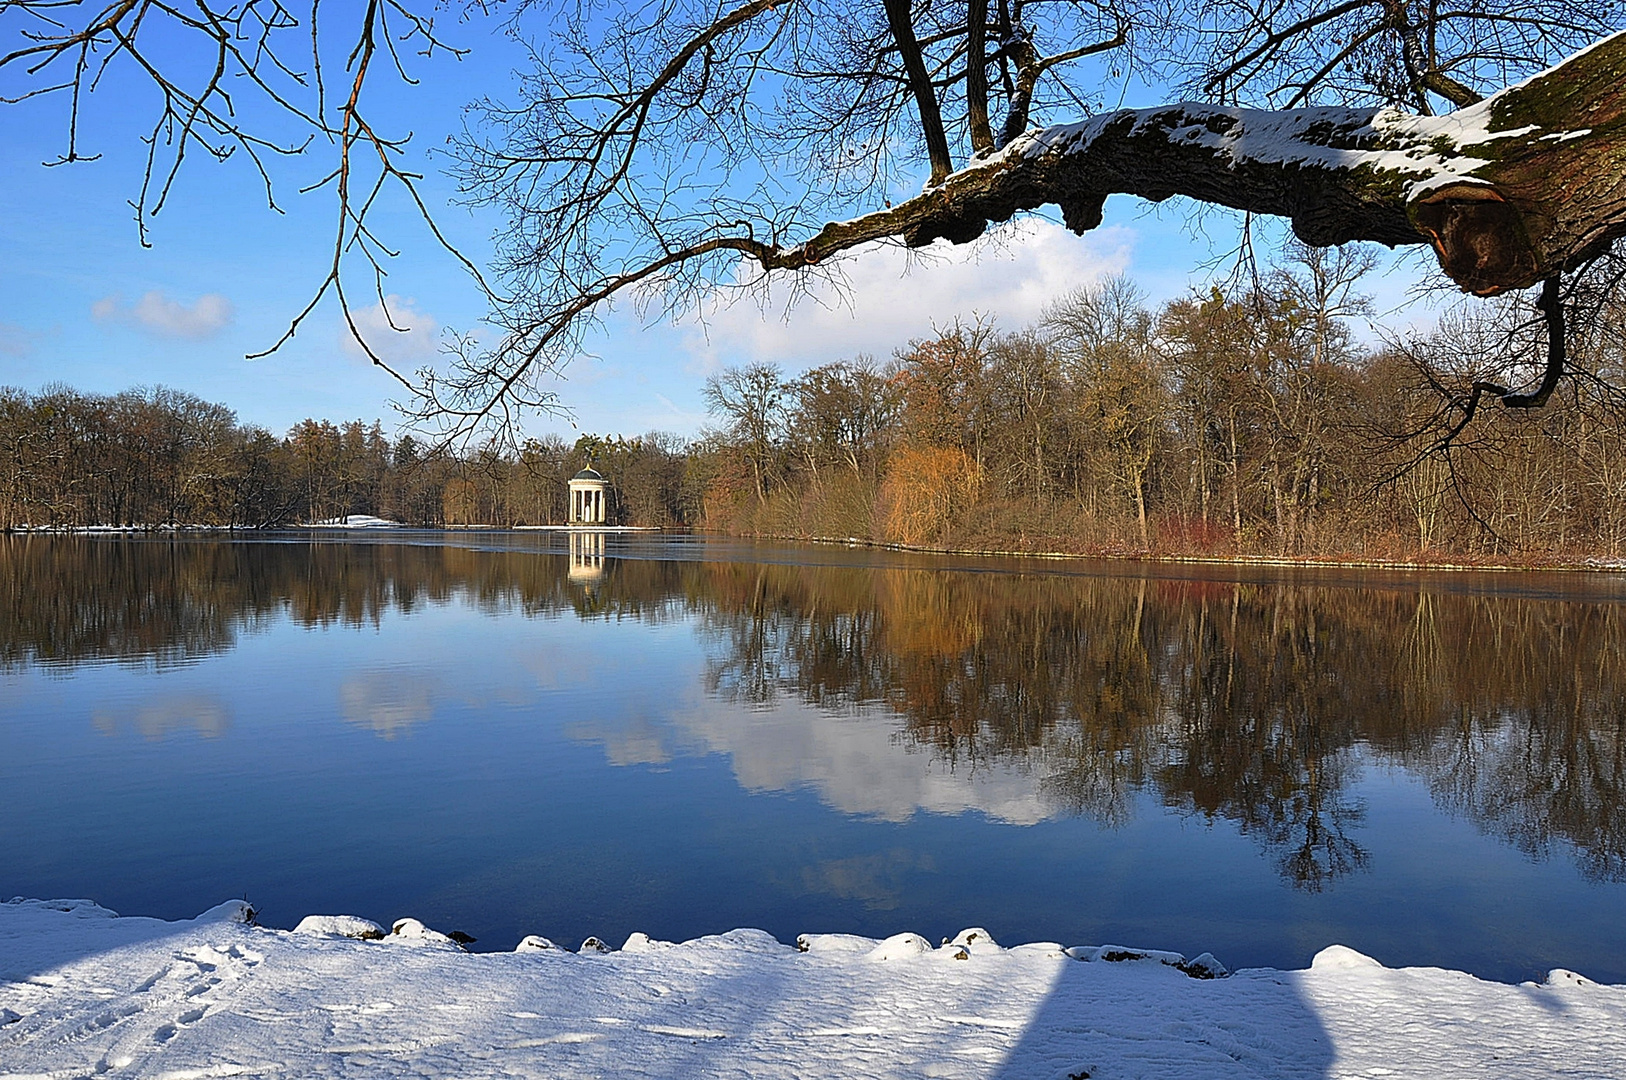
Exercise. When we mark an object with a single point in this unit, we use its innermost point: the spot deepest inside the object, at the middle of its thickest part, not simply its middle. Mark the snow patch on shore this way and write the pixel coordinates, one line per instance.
(85, 992)
(356, 521)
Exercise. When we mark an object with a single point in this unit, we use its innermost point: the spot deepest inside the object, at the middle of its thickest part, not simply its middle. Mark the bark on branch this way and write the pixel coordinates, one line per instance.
(1509, 191)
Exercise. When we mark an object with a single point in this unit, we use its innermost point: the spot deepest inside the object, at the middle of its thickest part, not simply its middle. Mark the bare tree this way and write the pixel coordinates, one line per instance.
(659, 153)
(671, 151)
(244, 79)
(750, 401)
(841, 413)
(1106, 334)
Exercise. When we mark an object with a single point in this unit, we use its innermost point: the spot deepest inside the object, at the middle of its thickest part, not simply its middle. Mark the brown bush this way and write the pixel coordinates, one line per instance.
(926, 489)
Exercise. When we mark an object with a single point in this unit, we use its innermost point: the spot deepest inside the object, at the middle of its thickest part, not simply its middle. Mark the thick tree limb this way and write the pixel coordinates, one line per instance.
(976, 76)
(1509, 192)
(920, 81)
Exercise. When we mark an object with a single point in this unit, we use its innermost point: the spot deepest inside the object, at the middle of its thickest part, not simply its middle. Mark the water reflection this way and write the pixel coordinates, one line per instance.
(388, 702)
(878, 881)
(1232, 700)
(893, 690)
(200, 714)
(586, 556)
(857, 763)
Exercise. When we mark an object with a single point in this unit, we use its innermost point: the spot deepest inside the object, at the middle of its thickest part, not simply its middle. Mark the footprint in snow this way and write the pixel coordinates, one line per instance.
(167, 1032)
(104, 1021)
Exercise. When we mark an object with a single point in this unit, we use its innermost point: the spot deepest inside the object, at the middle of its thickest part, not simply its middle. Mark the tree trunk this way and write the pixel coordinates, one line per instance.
(1140, 509)
(1236, 486)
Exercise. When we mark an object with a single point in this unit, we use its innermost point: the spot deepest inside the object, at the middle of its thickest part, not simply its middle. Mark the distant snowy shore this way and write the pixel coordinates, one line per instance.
(349, 523)
(84, 992)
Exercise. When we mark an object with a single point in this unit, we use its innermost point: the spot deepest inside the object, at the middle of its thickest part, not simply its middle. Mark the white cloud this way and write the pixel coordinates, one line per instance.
(396, 330)
(14, 340)
(159, 315)
(892, 295)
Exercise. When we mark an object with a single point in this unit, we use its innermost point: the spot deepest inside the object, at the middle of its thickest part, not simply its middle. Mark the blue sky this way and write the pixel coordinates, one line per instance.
(82, 302)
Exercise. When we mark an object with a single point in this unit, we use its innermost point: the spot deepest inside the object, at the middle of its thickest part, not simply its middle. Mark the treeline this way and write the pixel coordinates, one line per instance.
(1245, 420)
(163, 457)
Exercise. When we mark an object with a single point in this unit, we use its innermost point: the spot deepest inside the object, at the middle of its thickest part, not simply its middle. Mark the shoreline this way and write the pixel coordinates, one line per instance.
(1447, 564)
(1586, 564)
(84, 991)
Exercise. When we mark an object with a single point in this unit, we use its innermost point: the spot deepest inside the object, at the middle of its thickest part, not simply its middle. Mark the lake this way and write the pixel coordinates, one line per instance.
(509, 733)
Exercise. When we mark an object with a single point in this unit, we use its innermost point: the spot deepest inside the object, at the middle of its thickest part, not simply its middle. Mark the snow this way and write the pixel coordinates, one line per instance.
(899, 946)
(356, 521)
(1431, 152)
(340, 926)
(413, 932)
(1292, 136)
(85, 992)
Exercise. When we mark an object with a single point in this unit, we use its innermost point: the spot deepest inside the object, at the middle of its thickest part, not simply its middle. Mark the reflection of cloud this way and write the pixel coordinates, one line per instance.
(207, 716)
(388, 702)
(636, 742)
(560, 667)
(157, 314)
(877, 880)
(857, 764)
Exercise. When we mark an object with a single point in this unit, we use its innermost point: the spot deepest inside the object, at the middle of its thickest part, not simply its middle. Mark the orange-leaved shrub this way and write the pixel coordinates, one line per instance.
(927, 488)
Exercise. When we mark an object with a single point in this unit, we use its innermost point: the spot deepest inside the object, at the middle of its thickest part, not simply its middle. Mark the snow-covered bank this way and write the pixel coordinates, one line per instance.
(355, 521)
(83, 992)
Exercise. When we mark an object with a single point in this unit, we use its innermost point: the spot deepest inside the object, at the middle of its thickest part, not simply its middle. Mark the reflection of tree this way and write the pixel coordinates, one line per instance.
(1539, 756)
(770, 644)
(1237, 702)
(171, 601)
(1245, 703)
(69, 600)
(1264, 725)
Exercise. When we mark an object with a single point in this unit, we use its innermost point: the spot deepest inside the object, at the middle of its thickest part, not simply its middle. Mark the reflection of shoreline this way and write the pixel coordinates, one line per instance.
(1234, 700)
(1457, 564)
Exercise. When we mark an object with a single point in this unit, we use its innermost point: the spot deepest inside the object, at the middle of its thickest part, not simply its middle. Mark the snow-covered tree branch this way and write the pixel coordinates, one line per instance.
(658, 153)
(766, 141)
(1510, 191)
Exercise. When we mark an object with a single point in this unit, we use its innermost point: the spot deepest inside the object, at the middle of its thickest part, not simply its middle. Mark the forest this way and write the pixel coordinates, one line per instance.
(1246, 418)
(1232, 421)
(155, 457)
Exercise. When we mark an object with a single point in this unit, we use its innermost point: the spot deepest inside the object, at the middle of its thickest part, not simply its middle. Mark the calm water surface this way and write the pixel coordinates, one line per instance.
(682, 736)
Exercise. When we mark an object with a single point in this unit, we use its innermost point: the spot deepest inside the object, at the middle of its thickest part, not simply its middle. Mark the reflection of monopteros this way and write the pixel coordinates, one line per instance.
(586, 557)
(588, 491)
